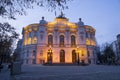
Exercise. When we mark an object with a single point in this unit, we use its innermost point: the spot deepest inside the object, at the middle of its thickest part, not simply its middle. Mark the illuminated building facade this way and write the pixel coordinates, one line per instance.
(59, 41)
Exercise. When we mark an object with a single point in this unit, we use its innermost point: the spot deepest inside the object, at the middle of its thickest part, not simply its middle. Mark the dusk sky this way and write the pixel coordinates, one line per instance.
(103, 15)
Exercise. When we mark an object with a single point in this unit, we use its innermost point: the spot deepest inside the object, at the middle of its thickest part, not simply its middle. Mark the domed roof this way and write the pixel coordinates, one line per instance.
(42, 21)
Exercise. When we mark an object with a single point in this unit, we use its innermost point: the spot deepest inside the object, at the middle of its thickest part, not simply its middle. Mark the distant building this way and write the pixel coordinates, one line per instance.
(116, 47)
(59, 41)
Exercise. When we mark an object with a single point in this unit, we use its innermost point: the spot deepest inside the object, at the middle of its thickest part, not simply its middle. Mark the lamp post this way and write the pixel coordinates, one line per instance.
(50, 56)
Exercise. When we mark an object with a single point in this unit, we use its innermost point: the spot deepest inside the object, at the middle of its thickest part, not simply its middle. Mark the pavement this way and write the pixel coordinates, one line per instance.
(5, 73)
(91, 72)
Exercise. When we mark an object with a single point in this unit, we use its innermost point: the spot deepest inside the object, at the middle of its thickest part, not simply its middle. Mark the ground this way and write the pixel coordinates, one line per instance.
(91, 72)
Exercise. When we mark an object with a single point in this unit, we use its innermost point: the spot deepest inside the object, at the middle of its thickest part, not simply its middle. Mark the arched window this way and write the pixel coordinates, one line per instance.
(50, 40)
(34, 53)
(74, 56)
(34, 40)
(61, 40)
(73, 41)
(29, 40)
(25, 42)
(62, 56)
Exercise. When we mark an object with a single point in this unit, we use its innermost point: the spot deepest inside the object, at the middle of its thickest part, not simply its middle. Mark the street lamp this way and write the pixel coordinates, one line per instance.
(50, 56)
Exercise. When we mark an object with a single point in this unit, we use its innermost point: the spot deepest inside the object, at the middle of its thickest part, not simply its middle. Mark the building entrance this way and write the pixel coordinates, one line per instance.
(62, 56)
(49, 56)
(74, 57)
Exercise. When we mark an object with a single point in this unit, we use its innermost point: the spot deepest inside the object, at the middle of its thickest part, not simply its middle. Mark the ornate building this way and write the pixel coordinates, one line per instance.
(59, 41)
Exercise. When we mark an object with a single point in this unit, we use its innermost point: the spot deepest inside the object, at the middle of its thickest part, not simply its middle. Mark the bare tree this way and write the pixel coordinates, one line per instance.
(9, 8)
(7, 37)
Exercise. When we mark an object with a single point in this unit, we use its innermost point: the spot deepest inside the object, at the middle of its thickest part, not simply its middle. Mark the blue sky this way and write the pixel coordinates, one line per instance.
(103, 15)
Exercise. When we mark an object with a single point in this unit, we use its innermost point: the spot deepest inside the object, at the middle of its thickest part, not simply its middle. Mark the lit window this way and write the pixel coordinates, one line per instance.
(62, 56)
(34, 40)
(61, 40)
(25, 42)
(73, 41)
(50, 40)
(88, 41)
(29, 40)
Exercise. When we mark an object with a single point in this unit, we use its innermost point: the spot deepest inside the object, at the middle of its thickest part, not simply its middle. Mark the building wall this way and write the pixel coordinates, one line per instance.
(36, 47)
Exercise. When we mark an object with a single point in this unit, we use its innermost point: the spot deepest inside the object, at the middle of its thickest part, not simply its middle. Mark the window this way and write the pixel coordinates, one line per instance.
(88, 53)
(29, 40)
(74, 56)
(73, 42)
(34, 53)
(50, 40)
(30, 34)
(62, 56)
(61, 40)
(86, 35)
(91, 36)
(34, 40)
(25, 41)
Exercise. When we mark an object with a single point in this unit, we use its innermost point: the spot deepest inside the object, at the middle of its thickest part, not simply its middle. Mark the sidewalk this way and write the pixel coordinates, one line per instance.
(5, 73)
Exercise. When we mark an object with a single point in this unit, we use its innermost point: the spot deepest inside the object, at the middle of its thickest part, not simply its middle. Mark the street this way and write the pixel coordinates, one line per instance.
(91, 72)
